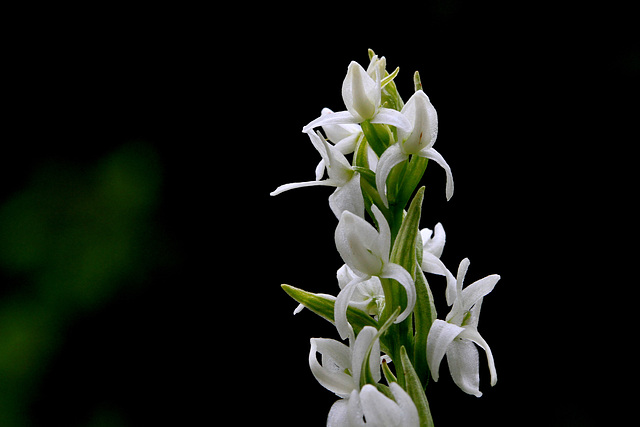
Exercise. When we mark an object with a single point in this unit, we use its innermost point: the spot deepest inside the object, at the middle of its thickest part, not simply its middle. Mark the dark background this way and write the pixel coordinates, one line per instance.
(141, 254)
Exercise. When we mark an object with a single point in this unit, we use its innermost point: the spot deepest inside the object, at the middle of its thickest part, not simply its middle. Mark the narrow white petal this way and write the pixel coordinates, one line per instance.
(390, 158)
(298, 309)
(462, 272)
(341, 117)
(359, 350)
(436, 157)
(320, 170)
(383, 241)
(340, 309)
(392, 117)
(478, 289)
(287, 187)
(458, 311)
(441, 335)
(463, 360)
(432, 264)
(473, 335)
(402, 276)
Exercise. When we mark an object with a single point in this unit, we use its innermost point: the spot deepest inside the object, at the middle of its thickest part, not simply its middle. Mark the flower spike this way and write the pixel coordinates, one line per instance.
(374, 154)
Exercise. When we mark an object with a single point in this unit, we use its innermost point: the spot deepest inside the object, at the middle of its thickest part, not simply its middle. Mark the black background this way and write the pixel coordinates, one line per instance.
(533, 103)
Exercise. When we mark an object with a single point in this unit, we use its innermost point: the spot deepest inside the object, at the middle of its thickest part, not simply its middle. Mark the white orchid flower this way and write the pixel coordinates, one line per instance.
(341, 366)
(344, 137)
(377, 409)
(366, 252)
(340, 373)
(348, 195)
(362, 96)
(368, 295)
(418, 140)
(433, 245)
(456, 336)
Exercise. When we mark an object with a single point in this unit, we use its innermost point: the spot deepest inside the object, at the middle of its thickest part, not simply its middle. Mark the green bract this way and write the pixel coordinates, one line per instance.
(384, 303)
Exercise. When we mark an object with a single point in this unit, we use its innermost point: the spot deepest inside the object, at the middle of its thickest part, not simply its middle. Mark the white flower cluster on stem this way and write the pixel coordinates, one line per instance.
(384, 307)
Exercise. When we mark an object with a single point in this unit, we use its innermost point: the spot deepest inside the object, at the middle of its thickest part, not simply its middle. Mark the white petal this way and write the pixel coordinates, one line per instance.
(424, 121)
(458, 311)
(402, 276)
(342, 134)
(436, 157)
(331, 377)
(338, 167)
(432, 264)
(379, 410)
(433, 241)
(478, 289)
(359, 92)
(348, 145)
(441, 335)
(462, 357)
(287, 187)
(338, 414)
(359, 350)
(354, 411)
(473, 335)
(462, 272)
(355, 240)
(410, 417)
(320, 170)
(340, 309)
(348, 198)
(383, 241)
(341, 117)
(344, 276)
(392, 117)
(390, 158)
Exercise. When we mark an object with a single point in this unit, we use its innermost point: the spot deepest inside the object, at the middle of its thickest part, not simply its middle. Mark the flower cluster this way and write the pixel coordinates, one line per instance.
(384, 307)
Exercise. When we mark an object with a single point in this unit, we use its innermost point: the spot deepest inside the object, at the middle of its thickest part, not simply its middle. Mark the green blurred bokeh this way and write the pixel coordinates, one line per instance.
(69, 240)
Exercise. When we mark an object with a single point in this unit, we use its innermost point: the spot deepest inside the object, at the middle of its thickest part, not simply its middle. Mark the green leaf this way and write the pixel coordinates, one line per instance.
(404, 247)
(323, 307)
(361, 154)
(387, 373)
(424, 316)
(414, 170)
(378, 136)
(415, 389)
(367, 174)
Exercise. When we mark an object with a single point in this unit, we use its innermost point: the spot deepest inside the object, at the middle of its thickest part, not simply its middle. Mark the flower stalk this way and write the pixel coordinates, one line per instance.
(375, 153)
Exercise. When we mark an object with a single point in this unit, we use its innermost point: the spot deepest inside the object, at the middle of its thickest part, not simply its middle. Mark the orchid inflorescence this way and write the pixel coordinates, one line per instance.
(385, 304)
